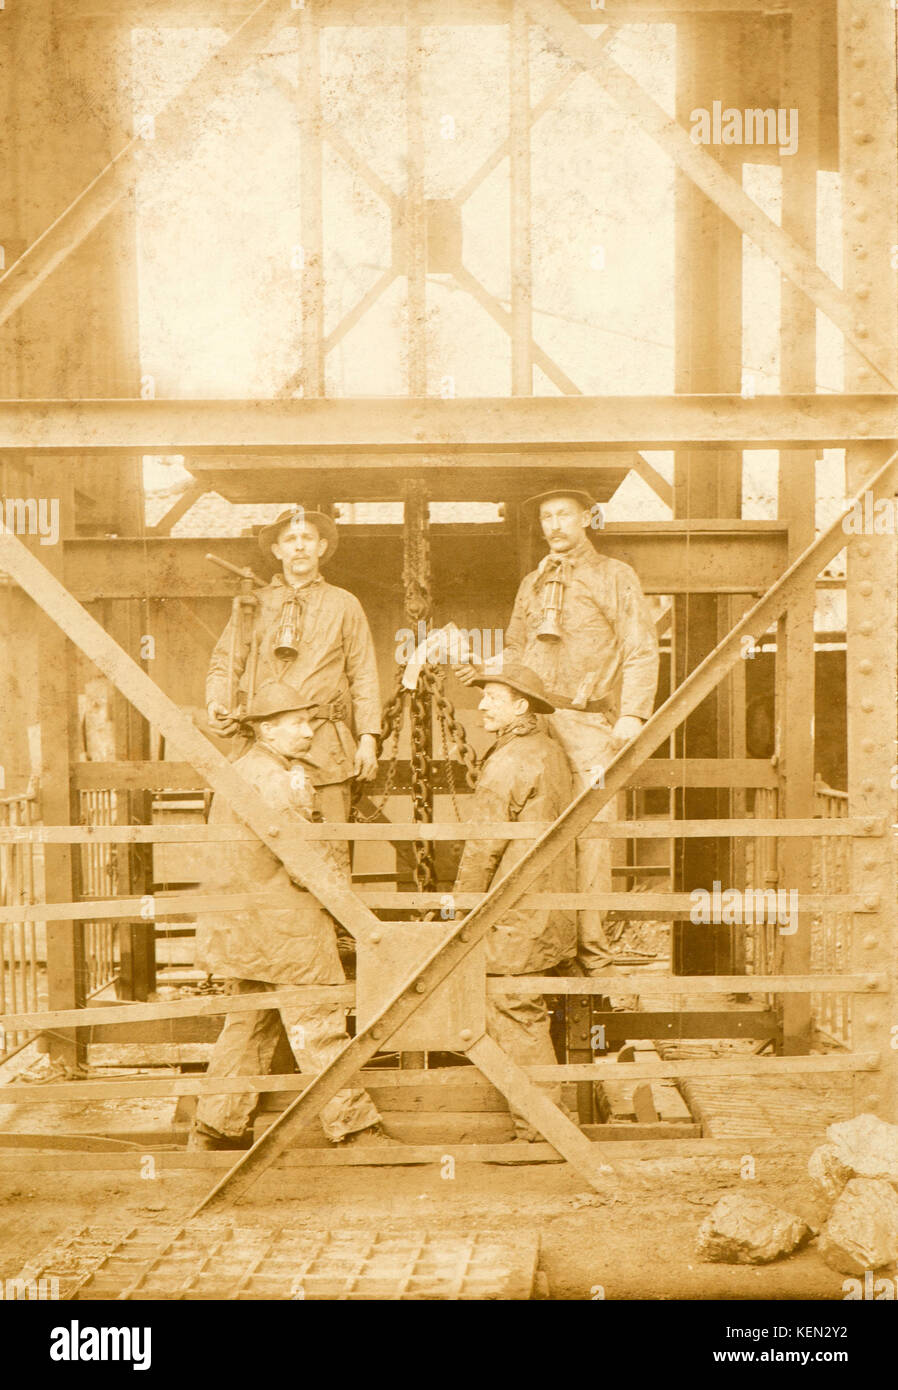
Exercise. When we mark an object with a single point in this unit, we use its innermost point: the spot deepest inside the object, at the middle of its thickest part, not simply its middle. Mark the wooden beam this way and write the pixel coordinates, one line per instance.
(669, 986)
(191, 832)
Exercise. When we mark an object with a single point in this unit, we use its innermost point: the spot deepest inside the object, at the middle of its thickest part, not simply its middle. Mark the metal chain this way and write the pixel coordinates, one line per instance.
(449, 720)
(419, 608)
(391, 720)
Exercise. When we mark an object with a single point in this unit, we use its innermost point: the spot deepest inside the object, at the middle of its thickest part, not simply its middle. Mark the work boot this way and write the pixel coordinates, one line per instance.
(374, 1136)
(209, 1141)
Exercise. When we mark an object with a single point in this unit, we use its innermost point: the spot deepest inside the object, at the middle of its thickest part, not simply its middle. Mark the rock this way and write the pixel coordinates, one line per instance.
(867, 1146)
(828, 1173)
(862, 1231)
(748, 1231)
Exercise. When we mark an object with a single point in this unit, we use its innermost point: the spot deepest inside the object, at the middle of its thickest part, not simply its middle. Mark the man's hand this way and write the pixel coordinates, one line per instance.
(365, 768)
(627, 727)
(466, 672)
(220, 721)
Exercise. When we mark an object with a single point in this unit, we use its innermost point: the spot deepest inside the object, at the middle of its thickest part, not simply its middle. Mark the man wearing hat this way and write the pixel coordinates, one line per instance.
(582, 623)
(292, 942)
(314, 638)
(524, 777)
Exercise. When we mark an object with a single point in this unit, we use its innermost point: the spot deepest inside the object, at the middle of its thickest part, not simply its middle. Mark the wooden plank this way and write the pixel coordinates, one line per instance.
(670, 985)
(179, 1160)
(130, 1087)
(447, 1128)
(180, 904)
(422, 1098)
(193, 832)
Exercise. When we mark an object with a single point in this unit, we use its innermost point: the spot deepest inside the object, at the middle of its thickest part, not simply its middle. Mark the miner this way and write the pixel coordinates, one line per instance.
(524, 776)
(292, 942)
(582, 623)
(314, 638)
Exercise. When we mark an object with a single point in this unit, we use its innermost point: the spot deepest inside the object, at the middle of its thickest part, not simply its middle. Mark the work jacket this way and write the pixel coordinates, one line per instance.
(608, 650)
(524, 777)
(335, 668)
(292, 942)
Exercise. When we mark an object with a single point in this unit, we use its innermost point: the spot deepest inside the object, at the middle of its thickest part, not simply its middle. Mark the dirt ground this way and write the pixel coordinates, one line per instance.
(634, 1241)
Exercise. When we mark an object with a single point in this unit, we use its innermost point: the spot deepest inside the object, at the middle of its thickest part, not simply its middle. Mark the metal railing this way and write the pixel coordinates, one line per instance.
(831, 931)
(20, 967)
(99, 879)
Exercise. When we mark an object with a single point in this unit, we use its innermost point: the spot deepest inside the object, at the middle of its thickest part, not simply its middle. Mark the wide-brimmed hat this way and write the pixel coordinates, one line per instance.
(519, 678)
(275, 697)
(531, 506)
(324, 525)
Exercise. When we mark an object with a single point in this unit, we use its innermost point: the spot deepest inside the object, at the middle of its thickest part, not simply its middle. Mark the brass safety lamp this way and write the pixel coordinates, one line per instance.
(286, 639)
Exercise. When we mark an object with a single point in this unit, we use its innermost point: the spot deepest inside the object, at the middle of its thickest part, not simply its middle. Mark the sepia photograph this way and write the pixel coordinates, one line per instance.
(448, 670)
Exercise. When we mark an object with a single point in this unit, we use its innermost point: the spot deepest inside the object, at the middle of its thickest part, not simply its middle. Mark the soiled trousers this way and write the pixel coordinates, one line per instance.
(520, 1025)
(589, 745)
(246, 1047)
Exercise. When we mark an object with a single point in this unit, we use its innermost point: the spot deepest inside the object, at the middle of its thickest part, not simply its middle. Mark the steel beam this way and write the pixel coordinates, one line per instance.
(844, 309)
(203, 13)
(867, 135)
(172, 129)
(451, 428)
(746, 557)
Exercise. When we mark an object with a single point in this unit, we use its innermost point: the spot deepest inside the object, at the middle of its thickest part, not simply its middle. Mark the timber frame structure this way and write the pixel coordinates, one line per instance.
(93, 592)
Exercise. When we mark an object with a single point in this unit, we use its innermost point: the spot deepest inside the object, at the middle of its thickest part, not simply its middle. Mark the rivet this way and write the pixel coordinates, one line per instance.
(857, 98)
(871, 1021)
(858, 60)
(860, 215)
(863, 292)
(867, 745)
(871, 901)
(869, 823)
(864, 548)
(871, 982)
(858, 21)
(868, 788)
(420, 987)
(867, 705)
(874, 1099)
(862, 330)
(860, 253)
(865, 667)
(862, 137)
(870, 864)
(377, 1031)
(464, 934)
(274, 831)
(866, 628)
(863, 427)
(465, 1034)
(375, 937)
(870, 942)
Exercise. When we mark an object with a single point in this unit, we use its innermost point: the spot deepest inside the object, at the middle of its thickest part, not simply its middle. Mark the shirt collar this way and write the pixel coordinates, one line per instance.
(525, 724)
(301, 588)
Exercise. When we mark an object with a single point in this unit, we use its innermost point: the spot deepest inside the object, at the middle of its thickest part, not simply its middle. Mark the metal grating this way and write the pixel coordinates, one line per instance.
(212, 1261)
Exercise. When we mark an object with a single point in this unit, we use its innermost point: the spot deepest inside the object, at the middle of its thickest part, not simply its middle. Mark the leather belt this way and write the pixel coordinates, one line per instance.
(337, 712)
